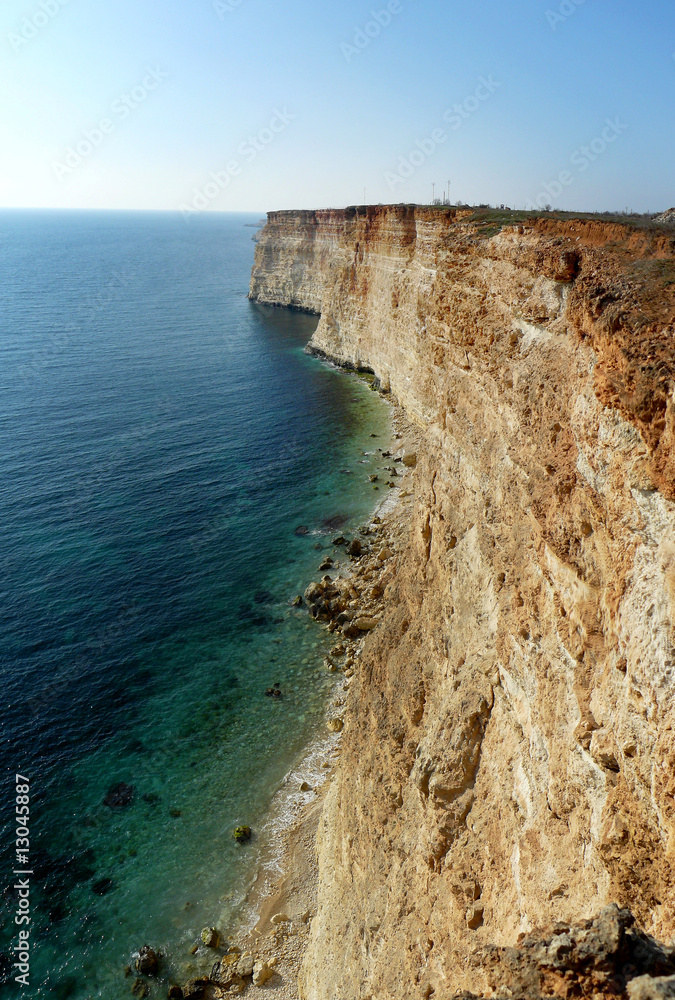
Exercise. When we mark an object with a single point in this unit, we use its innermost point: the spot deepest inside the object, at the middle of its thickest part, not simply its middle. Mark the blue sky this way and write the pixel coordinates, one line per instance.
(255, 105)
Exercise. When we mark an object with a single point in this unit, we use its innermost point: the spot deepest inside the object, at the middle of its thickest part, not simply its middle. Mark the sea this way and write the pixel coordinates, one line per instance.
(173, 468)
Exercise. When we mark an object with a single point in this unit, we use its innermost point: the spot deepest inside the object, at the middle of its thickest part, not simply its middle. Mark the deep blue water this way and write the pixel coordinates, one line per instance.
(161, 437)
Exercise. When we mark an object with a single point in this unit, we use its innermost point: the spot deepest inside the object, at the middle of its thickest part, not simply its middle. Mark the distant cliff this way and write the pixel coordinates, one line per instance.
(509, 753)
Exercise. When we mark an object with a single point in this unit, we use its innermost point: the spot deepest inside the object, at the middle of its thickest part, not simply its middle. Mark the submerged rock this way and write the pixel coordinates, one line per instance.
(119, 796)
(242, 833)
(301, 530)
(140, 988)
(334, 522)
(103, 886)
(297, 601)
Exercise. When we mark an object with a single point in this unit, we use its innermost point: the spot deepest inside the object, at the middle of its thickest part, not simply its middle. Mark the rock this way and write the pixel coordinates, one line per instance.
(301, 530)
(194, 989)
(603, 750)
(175, 813)
(474, 916)
(147, 962)
(355, 548)
(652, 988)
(384, 553)
(335, 725)
(313, 592)
(297, 601)
(245, 965)
(365, 624)
(567, 266)
(242, 833)
(119, 796)
(175, 993)
(210, 937)
(306, 787)
(326, 564)
(350, 631)
(261, 973)
(280, 918)
(340, 540)
(373, 479)
(103, 886)
(140, 988)
(338, 650)
(410, 460)
(328, 664)
(273, 692)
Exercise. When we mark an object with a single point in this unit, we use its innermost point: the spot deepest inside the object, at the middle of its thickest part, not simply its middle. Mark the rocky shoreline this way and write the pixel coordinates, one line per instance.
(347, 600)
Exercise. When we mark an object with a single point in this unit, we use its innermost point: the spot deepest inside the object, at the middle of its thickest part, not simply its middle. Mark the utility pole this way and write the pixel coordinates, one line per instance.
(433, 191)
(448, 192)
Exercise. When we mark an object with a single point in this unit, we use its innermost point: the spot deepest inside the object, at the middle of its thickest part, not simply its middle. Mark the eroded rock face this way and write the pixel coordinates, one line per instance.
(509, 758)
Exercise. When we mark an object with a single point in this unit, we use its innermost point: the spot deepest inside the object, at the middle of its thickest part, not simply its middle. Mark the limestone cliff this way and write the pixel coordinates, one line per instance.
(509, 753)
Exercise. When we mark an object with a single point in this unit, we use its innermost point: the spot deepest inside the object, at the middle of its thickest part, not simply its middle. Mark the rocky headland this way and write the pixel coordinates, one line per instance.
(502, 817)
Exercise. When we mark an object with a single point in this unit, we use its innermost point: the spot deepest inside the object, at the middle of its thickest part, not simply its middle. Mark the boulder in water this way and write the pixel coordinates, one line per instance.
(242, 833)
(210, 937)
(194, 989)
(147, 962)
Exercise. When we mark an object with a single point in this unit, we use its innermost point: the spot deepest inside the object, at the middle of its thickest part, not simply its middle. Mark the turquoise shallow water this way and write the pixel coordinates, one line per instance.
(161, 438)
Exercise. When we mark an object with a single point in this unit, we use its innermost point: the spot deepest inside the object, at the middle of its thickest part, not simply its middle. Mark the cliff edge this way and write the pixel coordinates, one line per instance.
(508, 766)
